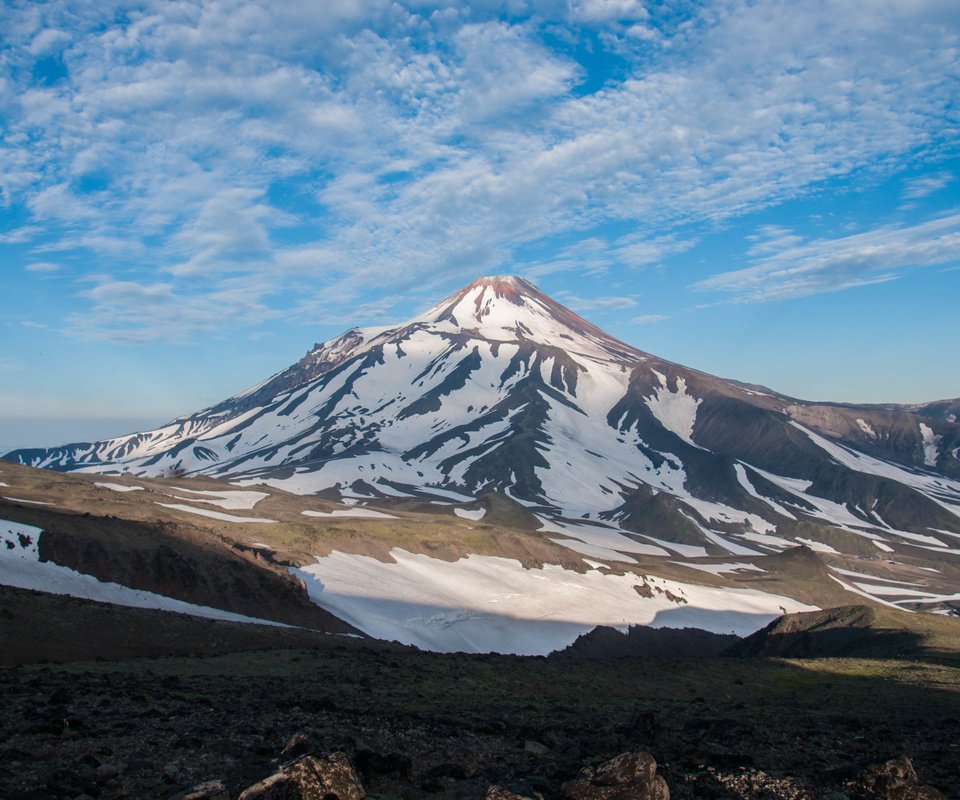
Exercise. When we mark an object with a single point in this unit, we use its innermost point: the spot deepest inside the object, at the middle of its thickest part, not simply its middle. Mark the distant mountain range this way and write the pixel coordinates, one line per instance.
(501, 390)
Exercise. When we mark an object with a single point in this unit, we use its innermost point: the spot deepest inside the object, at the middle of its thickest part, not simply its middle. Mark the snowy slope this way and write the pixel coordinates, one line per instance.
(500, 388)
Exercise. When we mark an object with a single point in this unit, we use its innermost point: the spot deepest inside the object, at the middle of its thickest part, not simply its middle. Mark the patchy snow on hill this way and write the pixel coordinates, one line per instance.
(491, 604)
(206, 512)
(20, 566)
(676, 411)
(369, 513)
(931, 445)
(229, 500)
(118, 487)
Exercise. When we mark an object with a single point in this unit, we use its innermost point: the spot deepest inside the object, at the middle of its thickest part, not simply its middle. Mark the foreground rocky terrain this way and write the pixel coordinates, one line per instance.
(414, 724)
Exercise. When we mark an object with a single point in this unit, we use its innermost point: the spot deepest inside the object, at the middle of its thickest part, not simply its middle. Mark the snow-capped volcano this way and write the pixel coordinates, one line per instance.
(501, 389)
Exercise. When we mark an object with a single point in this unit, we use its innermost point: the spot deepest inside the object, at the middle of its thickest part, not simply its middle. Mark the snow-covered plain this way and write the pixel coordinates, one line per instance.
(20, 566)
(487, 603)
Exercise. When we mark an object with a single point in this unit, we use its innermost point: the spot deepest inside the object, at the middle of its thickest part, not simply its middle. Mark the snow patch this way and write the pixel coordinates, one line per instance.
(205, 512)
(231, 500)
(369, 513)
(31, 502)
(593, 550)
(466, 513)
(676, 411)
(719, 569)
(20, 566)
(865, 426)
(931, 445)
(492, 604)
(119, 487)
(817, 547)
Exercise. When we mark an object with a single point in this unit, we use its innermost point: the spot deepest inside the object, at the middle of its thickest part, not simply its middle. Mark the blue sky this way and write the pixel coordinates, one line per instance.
(193, 193)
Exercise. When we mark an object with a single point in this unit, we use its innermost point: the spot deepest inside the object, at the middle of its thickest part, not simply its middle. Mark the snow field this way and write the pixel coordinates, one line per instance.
(487, 603)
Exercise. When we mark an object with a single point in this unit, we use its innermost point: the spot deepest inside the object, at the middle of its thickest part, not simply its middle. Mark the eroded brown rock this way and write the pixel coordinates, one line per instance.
(328, 777)
(628, 776)
(894, 780)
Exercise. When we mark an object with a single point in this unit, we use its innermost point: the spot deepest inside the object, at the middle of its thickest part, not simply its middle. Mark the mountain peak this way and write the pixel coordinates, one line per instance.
(509, 308)
(509, 287)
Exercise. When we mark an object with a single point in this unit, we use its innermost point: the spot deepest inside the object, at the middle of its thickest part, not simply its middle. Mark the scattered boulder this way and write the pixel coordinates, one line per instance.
(300, 744)
(535, 747)
(628, 776)
(370, 762)
(209, 790)
(328, 777)
(893, 780)
(500, 793)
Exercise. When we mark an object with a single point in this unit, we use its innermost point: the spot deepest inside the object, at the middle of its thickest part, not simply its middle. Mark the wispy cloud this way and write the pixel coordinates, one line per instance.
(648, 319)
(927, 184)
(585, 304)
(381, 144)
(801, 268)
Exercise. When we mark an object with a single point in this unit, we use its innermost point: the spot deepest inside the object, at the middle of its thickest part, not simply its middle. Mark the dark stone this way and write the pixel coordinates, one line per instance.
(628, 776)
(369, 762)
(893, 780)
(209, 790)
(300, 744)
(449, 770)
(328, 777)
(500, 793)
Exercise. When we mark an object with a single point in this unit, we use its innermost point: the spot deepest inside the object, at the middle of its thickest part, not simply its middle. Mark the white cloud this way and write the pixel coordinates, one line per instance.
(47, 40)
(802, 268)
(926, 184)
(43, 266)
(606, 10)
(396, 145)
(648, 319)
(585, 304)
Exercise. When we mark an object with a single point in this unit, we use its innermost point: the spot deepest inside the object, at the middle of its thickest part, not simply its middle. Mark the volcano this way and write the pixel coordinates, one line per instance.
(500, 391)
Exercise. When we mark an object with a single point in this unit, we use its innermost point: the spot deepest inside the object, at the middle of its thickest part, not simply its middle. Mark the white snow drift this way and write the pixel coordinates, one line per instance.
(487, 603)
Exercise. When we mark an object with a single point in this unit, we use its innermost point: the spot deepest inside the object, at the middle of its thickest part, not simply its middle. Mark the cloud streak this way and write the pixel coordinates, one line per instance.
(798, 269)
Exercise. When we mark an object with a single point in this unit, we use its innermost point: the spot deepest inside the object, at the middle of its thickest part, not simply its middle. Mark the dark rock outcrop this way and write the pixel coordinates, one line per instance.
(643, 641)
(328, 777)
(892, 780)
(628, 776)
